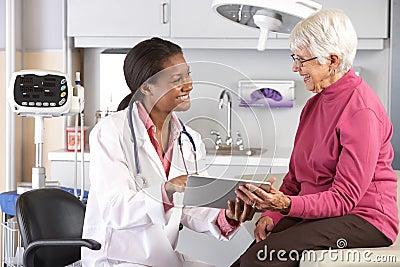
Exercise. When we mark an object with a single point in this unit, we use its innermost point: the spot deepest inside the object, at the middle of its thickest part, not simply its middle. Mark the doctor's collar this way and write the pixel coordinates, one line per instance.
(148, 123)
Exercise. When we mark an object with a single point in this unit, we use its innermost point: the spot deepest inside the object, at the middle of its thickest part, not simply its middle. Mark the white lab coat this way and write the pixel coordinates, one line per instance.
(127, 219)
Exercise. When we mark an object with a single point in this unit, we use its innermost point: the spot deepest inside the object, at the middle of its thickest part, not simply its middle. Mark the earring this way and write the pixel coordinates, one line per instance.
(145, 90)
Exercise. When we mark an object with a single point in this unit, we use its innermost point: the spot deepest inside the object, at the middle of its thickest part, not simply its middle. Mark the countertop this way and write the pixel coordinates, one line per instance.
(268, 157)
(64, 155)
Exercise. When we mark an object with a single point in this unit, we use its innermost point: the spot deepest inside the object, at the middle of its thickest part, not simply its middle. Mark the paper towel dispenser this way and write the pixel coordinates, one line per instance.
(266, 93)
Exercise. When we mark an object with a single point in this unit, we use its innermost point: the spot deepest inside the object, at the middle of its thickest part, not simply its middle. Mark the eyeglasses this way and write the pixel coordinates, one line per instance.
(299, 62)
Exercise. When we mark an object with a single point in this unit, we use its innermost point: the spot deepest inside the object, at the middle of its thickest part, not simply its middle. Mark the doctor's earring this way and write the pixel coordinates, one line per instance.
(145, 89)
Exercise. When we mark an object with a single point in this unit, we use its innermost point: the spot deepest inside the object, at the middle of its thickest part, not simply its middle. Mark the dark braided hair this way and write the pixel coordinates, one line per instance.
(142, 62)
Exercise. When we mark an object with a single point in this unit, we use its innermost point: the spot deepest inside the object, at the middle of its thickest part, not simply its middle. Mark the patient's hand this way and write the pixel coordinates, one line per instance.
(263, 227)
(264, 197)
(239, 211)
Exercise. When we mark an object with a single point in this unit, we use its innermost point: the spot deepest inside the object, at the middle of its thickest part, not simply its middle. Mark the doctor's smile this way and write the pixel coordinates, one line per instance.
(184, 98)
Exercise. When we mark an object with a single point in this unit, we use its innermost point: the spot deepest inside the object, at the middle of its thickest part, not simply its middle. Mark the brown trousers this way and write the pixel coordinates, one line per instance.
(294, 235)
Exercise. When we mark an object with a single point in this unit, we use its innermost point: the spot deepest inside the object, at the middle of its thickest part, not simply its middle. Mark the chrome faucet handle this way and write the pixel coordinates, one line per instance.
(228, 141)
(239, 141)
(218, 139)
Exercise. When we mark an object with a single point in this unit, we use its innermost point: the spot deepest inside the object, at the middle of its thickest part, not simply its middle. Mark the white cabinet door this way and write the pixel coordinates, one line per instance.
(369, 17)
(122, 18)
(196, 19)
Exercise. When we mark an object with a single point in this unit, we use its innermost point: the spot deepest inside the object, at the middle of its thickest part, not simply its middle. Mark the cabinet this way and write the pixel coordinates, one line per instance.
(370, 18)
(193, 24)
(370, 23)
(257, 167)
(122, 18)
(62, 168)
(206, 23)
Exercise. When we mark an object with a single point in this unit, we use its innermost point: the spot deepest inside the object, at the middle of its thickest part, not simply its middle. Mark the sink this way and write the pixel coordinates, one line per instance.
(229, 151)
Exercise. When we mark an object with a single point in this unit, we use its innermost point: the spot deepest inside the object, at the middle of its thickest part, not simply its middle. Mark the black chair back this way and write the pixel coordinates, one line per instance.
(50, 220)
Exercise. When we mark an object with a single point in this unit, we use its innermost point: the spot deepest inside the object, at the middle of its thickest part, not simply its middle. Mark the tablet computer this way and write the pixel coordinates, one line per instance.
(214, 192)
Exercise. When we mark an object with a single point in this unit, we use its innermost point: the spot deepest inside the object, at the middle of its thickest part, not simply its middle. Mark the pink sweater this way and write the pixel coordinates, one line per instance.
(342, 156)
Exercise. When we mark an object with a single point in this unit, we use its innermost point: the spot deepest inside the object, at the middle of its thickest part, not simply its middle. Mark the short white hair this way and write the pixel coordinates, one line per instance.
(326, 32)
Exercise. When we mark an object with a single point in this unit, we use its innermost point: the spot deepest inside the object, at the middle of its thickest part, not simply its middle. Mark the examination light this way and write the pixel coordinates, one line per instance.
(279, 16)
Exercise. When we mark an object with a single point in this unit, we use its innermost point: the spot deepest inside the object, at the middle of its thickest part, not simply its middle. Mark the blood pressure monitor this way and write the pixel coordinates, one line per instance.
(40, 92)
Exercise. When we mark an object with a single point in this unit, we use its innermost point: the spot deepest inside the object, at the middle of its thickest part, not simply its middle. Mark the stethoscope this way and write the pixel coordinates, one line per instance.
(180, 143)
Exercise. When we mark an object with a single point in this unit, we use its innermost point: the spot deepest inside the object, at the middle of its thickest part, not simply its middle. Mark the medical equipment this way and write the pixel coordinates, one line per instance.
(214, 192)
(278, 16)
(79, 91)
(189, 136)
(180, 143)
(42, 94)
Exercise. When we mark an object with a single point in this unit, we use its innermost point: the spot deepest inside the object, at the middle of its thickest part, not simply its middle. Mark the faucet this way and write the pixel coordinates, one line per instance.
(229, 124)
(218, 140)
(239, 141)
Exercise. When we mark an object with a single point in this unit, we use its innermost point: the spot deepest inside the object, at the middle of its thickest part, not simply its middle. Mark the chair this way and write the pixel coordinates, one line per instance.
(50, 221)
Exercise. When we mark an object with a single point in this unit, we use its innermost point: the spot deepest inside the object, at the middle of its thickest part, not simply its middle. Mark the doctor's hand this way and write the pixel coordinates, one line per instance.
(177, 184)
(263, 227)
(239, 212)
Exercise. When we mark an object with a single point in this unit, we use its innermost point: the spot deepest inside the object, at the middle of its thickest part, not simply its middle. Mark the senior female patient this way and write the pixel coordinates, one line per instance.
(340, 187)
(135, 202)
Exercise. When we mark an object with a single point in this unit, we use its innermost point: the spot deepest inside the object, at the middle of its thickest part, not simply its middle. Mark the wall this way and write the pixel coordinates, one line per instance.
(214, 70)
(3, 27)
(395, 81)
(279, 125)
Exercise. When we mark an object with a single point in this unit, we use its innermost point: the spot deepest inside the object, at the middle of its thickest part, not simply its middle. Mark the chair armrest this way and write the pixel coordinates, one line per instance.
(34, 246)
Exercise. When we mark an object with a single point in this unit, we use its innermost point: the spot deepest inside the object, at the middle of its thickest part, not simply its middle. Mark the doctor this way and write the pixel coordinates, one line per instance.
(141, 157)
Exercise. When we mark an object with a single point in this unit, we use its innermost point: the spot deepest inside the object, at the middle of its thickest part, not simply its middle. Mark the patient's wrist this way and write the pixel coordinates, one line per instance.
(287, 205)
